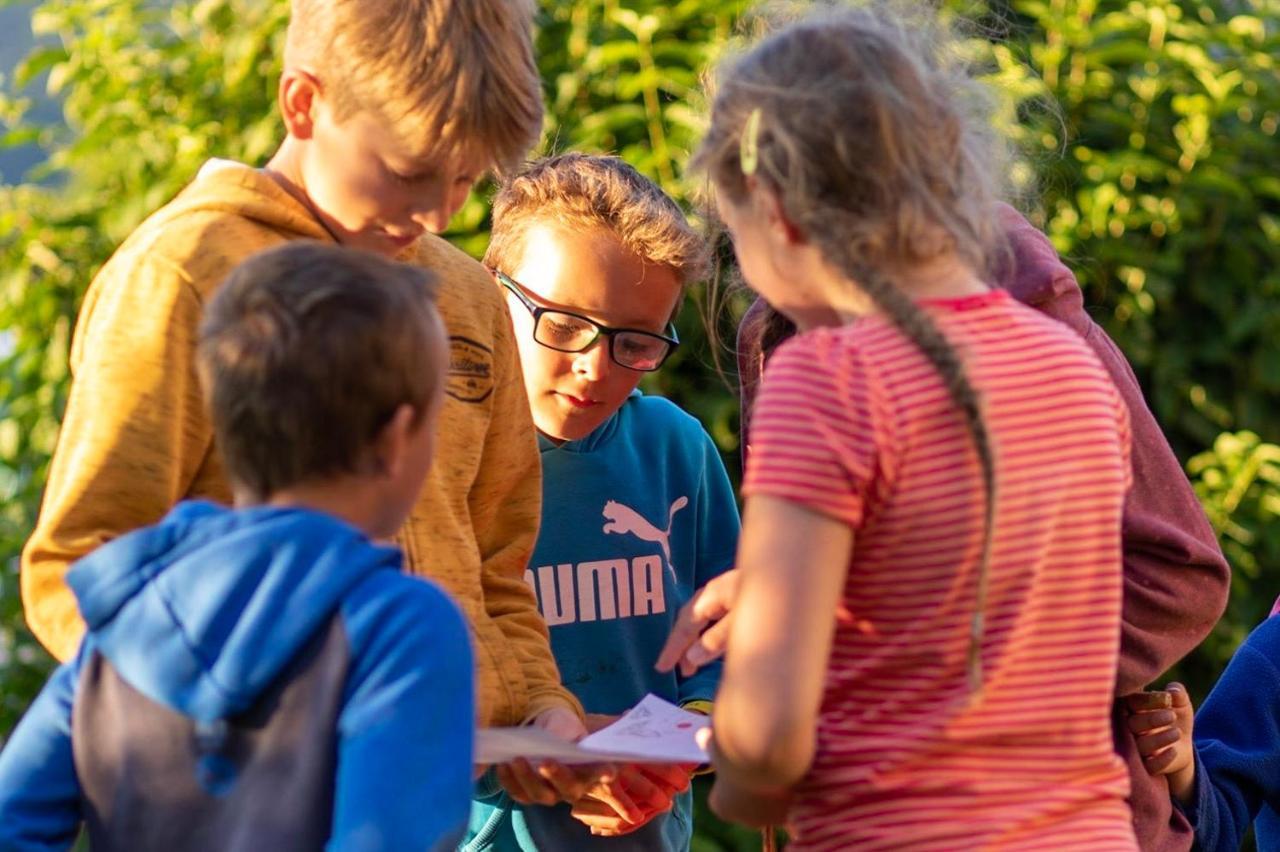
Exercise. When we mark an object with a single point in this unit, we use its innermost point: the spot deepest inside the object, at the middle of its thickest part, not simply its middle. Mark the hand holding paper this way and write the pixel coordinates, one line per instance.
(654, 731)
(638, 793)
(550, 782)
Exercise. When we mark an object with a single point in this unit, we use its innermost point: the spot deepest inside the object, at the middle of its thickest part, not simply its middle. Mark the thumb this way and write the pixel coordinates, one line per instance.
(1178, 693)
(703, 737)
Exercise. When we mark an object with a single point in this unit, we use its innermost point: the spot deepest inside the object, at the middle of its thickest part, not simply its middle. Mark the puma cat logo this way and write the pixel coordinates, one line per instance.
(623, 520)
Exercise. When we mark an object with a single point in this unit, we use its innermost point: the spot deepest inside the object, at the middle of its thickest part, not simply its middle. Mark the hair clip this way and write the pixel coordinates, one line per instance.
(749, 144)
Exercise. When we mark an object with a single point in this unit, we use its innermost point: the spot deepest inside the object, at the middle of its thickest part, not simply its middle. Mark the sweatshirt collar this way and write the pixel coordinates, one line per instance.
(598, 439)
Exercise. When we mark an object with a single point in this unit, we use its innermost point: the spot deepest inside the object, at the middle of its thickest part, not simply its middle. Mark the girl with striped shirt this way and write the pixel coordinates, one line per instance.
(926, 632)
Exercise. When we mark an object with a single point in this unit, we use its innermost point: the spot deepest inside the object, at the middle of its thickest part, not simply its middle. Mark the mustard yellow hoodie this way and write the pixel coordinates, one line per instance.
(135, 438)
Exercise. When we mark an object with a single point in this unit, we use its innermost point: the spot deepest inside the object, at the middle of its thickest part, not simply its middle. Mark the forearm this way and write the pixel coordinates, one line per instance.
(1176, 579)
(39, 791)
(757, 808)
(404, 773)
(779, 642)
(1219, 819)
(506, 507)
(1173, 595)
(132, 440)
(525, 633)
(762, 743)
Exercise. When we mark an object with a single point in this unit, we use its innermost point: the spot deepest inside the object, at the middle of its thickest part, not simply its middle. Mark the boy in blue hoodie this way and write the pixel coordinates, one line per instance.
(1227, 777)
(266, 677)
(637, 511)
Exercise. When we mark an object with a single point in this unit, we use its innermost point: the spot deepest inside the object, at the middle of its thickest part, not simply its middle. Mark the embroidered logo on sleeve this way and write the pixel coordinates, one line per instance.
(470, 377)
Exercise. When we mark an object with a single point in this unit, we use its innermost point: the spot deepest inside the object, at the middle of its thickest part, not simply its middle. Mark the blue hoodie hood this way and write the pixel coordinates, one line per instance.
(201, 611)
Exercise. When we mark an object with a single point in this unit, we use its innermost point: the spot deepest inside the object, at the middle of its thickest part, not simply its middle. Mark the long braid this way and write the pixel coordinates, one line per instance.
(921, 330)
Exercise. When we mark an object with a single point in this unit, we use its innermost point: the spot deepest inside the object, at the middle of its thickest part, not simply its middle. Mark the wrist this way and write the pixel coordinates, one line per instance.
(749, 806)
(552, 701)
(1182, 784)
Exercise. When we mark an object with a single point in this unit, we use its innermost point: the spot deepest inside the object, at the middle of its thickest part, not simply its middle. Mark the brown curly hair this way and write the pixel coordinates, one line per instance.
(583, 191)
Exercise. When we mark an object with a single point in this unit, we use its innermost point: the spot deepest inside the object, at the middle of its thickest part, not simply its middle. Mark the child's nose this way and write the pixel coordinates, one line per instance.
(434, 220)
(435, 209)
(592, 363)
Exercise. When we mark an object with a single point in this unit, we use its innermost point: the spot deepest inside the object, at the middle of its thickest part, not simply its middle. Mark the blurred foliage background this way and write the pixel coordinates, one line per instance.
(1148, 135)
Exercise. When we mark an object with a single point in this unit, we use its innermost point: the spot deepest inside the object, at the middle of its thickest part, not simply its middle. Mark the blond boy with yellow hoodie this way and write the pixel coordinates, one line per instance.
(393, 109)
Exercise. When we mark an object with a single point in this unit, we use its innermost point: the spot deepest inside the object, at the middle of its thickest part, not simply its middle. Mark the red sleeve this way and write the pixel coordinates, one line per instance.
(813, 439)
(1176, 579)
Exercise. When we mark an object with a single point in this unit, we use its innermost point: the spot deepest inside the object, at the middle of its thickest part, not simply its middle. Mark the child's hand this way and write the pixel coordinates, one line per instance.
(637, 794)
(758, 808)
(560, 722)
(550, 782)
(596, 721)
(1162, 723)
(692, 644)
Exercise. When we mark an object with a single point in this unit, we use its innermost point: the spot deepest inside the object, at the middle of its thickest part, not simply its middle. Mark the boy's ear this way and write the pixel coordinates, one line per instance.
(299, 98)
(391, 445)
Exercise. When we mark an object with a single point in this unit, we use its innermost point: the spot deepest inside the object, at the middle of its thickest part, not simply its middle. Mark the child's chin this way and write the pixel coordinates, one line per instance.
(571, 429)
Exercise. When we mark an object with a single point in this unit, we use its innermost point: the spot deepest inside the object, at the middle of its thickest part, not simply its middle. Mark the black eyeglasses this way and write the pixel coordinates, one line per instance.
(569, 332)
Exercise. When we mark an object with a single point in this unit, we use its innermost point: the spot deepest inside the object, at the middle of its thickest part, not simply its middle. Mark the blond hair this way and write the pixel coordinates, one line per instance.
(579, 192)
(878, 143)
(451, 77)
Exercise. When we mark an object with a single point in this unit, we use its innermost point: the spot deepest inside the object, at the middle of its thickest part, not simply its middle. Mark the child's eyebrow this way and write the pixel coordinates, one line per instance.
(413, 170)
(421, 167)
(591, 314)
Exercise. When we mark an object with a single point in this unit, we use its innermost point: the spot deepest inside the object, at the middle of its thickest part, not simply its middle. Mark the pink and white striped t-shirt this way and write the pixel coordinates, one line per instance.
(855, 423)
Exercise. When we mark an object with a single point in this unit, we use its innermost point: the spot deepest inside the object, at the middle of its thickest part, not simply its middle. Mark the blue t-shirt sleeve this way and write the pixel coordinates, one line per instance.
(717, 525)
(407, 727)
(39, 790)
(1237, 738)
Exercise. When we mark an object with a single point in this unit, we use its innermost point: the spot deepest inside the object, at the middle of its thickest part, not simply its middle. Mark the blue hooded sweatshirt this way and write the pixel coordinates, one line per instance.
(200, 613)
(1237, 744)
(636, 517)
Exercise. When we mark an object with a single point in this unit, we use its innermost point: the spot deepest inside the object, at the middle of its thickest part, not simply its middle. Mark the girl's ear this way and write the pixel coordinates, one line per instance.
(299, 98)
(390, 448)
(768, 206)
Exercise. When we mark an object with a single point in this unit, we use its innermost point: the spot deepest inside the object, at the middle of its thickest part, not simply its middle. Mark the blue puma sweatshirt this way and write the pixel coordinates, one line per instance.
(635, 517)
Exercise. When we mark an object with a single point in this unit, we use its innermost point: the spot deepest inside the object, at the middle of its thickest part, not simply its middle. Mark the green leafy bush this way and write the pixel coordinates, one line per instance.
(1167, 199)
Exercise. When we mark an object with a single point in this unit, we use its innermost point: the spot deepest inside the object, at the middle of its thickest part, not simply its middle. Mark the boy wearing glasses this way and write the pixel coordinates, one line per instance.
(638, 511)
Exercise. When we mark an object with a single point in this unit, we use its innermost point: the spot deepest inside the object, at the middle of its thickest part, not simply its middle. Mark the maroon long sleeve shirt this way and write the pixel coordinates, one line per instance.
(1175, 577)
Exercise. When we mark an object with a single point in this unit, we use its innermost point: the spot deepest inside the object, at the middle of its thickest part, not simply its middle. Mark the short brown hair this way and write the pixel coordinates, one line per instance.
(584, 191)
(306, 352)
(451, 76)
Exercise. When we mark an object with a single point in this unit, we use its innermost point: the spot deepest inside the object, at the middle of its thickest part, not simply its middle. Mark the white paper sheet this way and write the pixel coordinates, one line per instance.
(654, 731)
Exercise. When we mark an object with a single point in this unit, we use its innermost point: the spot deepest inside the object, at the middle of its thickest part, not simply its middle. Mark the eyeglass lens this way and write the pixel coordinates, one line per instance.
(567, 333)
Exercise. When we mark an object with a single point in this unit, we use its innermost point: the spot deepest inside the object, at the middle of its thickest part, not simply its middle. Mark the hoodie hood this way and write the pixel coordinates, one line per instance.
(201, 611)
(225, 187)
(1035, 275)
